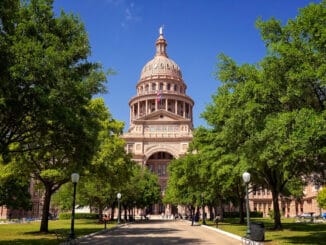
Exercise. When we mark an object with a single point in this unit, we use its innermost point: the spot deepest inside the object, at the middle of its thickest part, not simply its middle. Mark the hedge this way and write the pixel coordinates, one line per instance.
(253, 214)
(79, 216)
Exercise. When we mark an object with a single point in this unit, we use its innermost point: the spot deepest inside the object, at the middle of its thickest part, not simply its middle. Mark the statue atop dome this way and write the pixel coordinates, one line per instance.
(161, 30)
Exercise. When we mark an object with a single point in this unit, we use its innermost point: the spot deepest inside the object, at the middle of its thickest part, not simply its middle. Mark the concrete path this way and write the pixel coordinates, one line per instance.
(158, 232)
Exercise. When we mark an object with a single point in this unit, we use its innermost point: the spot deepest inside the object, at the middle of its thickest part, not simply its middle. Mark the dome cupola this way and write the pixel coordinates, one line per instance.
(161, 65)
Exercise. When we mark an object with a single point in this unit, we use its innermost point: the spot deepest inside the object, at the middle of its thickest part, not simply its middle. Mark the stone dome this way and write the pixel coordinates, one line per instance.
(161, 65)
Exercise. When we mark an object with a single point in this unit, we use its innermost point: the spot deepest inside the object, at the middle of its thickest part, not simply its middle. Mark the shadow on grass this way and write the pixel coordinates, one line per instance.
(35, 237)
(31, 241)
(305, 233)
(292, 233)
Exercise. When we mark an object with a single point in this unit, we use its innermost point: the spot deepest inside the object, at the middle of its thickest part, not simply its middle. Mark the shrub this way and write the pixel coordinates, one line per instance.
(271, 213)
(253, 214)
(79, 216)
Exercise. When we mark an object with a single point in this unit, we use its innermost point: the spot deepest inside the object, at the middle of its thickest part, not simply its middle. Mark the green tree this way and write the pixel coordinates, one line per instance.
(221, 168)
(321, 198)
(186, 182)
(45, 71)
(144, 188)
(272, 115)
(14, 193)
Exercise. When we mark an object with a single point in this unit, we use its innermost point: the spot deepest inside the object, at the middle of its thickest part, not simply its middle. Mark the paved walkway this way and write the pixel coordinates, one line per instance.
(158, 232)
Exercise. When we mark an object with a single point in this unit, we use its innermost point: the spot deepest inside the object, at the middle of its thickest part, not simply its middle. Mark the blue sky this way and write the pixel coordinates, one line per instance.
(122, 36)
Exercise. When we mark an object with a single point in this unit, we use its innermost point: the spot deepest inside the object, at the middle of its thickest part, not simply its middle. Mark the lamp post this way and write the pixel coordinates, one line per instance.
(246, 179)
(74, 179)
(203, 208)
(119, 196)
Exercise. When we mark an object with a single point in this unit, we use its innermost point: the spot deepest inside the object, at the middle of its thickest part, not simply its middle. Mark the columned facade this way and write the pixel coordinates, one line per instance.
(161, 119)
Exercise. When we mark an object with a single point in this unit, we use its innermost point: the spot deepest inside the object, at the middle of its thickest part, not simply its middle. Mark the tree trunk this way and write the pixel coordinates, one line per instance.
(125, 213)
(277, 214)
(222, 210)
(100, 212)
(112, 213)
(216, 213)
(211, 215)
(46, 207)
(192, 215)
(241, 210)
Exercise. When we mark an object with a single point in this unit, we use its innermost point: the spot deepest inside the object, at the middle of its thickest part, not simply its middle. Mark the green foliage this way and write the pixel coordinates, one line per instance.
(269, 118)
(294, 188)
(62, 199)
(142, 189)
(110, 166)
(44, 69)
(14, 193)
(271, 214)
(185, 183)
(253, 214)
(321, 198)
(78, 216)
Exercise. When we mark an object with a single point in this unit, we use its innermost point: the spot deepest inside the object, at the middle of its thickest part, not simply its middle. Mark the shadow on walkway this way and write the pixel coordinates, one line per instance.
(140, 235)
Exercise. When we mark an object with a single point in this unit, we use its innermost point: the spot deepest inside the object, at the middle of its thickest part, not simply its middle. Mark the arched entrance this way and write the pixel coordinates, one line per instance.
(158, 163)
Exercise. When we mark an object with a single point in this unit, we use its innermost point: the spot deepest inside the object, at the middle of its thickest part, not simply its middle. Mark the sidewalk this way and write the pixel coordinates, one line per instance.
(160, 232)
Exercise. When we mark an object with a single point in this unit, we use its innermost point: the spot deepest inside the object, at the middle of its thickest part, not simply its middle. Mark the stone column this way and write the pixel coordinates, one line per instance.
(176, 107)
(184, 109)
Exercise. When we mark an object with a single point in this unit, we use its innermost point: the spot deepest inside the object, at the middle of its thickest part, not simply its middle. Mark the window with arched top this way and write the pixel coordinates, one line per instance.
(161, 86)
(153, 86)
(175, 88)
(168, 87)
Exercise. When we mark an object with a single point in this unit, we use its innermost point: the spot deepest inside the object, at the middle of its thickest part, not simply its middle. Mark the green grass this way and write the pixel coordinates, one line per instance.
(292, 233)
(28, 233)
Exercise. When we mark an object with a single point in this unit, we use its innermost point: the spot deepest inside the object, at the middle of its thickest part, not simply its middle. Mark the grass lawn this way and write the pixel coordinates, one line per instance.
(292, 233)
(28, 233)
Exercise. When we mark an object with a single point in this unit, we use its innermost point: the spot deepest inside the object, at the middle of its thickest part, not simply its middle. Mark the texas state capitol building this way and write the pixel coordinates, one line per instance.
(161, 125)
(161, 119)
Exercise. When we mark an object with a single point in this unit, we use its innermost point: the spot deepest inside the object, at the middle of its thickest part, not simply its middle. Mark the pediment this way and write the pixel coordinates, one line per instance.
(162, 116)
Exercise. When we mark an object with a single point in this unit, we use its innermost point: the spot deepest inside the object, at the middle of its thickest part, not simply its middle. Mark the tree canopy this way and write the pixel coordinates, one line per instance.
(47, 124)
(321, 198)
(268, 118)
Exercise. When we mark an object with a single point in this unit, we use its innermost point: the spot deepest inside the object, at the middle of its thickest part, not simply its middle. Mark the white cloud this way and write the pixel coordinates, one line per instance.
(130, 13)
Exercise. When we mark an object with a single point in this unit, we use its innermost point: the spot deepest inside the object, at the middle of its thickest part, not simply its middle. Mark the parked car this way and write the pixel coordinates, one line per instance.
(323, 215)
(306, 215)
